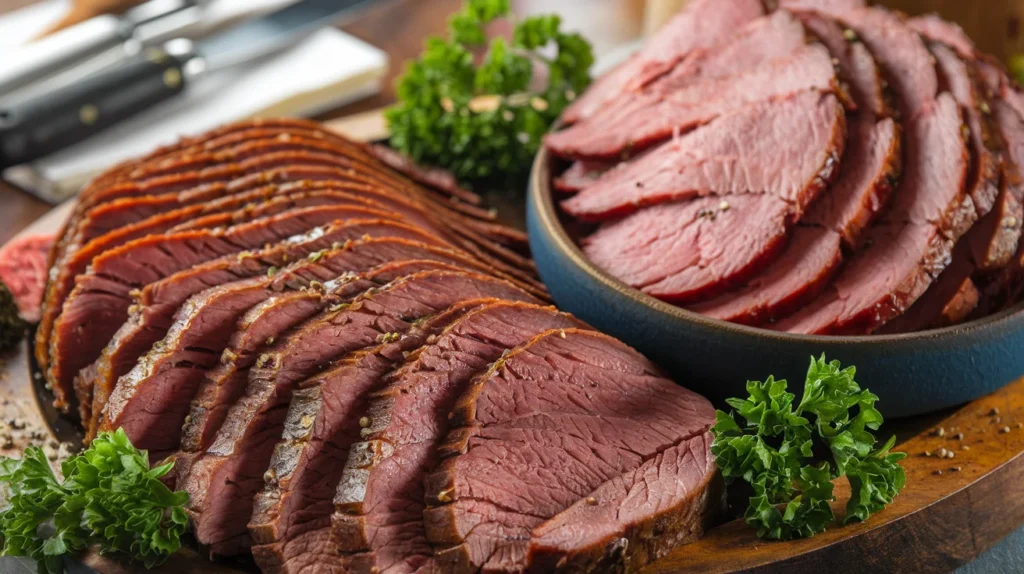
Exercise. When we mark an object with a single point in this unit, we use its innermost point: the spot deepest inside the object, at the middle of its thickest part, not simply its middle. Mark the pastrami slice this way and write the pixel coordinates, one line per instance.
(650, 118)
(702, 24)
(291, 515)
(576, 408)
(223, 481)
(788, 149)
(379, 503)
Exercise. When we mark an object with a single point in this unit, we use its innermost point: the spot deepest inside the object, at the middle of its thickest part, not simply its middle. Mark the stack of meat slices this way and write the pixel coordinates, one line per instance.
(347, 360)
(813, 166)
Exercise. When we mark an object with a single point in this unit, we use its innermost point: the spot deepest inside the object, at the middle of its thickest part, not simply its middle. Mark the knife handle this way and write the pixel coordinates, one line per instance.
(33, 127)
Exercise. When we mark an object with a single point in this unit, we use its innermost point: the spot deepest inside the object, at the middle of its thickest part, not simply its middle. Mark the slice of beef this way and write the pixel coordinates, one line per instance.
(380, 499)
(531, 437)
(214, 139)
(691, 250)
(652, 117)
(23, 272)
(702, 24)
(798, 275)
(934, 28)
(159, 301)
(99, 303)
(688, 251)
(119, 214)
(822, 5)
(291, 515)
(857, 67)
(737, 154)
(223, 481)
(868, 174)
(432, 177)
(581, 174)
(912, 242)
(268, 322)
(194, 342)
(674, 492)
(950, 300)
(958, 75)
(902, 54)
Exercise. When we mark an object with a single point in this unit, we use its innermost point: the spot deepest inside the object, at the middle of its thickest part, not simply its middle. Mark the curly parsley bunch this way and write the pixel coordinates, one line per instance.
(109, 497)
(485, 122)
(774, 446)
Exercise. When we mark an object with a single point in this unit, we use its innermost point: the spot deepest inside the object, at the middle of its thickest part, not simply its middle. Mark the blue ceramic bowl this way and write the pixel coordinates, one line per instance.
(912, 374)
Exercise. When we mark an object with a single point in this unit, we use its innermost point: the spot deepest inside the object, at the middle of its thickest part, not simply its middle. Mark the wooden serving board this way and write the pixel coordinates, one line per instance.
(951, 511)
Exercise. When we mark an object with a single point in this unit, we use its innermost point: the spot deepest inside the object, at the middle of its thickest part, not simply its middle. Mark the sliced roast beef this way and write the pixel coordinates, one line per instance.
(824, 5)
(741, 153)
(856, 65)
(690, 250)
(798, 275)
(934, 28)
(902, 54)
(958, 75)
(87, 228)
(702, 24)
(159, 301)
(950, 300)
(194, 342)
(868, 175)
(651, 117)
(912, 242)
(380, 499)
(213, 139)
(265, 323)
(433, 177)
(867, 178)
(291, 515)
(581, 174)
(511, 470)
(102, 296)
(223, 481)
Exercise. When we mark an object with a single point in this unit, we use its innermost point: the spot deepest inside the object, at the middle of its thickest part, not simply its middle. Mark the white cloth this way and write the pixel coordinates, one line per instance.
(326, 70)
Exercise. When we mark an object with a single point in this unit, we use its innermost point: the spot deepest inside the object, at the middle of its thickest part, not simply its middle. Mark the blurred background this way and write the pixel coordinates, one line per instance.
(342, 73)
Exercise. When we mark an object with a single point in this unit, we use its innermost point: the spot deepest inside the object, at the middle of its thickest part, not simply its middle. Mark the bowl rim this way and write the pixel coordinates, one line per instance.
(542, 199)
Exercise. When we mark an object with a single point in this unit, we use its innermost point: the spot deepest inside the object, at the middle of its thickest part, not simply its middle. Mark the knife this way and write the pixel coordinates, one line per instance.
(40, 124)
(153, 22)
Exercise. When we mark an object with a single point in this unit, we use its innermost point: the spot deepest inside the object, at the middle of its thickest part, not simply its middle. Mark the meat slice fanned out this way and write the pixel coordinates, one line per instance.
(739, 184)
(379, 503)
(913, 242)
(224, 479)
(102, 296)
(651, 117)
(291, 515)
(558, 421)
(702, 24)
(786, 149)
(271, 320)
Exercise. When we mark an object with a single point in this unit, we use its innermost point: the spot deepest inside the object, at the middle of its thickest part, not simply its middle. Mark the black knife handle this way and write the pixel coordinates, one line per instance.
(40, 124)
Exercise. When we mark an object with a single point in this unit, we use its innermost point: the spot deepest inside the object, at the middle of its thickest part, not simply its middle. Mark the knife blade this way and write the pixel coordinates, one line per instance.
(152, 22)
(40, 124)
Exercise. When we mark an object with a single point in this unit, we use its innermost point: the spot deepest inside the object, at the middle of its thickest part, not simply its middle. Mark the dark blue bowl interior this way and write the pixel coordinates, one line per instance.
(912, 374)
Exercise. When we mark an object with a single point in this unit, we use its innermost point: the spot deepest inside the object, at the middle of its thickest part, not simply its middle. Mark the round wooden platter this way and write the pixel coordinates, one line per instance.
(951, 511)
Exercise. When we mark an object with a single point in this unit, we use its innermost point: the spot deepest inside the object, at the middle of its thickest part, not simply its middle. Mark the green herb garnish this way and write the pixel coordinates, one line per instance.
(109, 497)
(485, 123)
(790, 455)
(12, 326)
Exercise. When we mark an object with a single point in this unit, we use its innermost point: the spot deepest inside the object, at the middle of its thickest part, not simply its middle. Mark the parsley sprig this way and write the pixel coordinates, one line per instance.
(485, 122)
(109, 497)
(790, 454)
